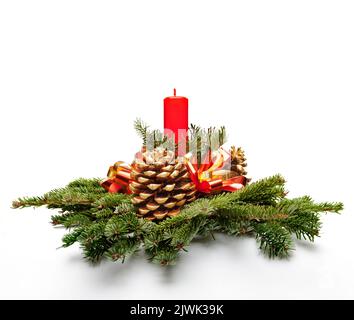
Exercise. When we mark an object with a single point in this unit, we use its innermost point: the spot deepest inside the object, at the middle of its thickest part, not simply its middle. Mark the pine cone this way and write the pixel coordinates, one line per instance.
(161, 184)
(238, 161)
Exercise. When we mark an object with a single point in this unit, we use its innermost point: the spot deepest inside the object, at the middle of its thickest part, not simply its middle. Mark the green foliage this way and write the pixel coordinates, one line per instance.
(303, 219)
(120, 225)
(213, 136)
(77, 195)
(86, 184)
(274, 239)
(106, 225)
(141, 129)
(163, 255)
(122, 248)
(182, 236)
(235, 227)
(266, 191)
(111, 200)
(70, 220)
(72, 237)
(200, 140)
(152, 138)
(93, 241)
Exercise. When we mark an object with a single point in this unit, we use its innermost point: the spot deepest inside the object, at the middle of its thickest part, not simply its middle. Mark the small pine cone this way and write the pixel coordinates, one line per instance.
(161, 184)
(238, 161)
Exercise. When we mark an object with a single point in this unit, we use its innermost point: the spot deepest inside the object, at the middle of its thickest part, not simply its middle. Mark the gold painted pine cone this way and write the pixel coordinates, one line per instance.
(160, 184)
(238, 161)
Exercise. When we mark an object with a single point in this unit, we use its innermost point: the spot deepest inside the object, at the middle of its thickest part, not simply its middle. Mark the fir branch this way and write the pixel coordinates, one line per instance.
(102, 214)
(182, 236)
(78, 192)
(156, 138)
(69, 201)
(151, 138)
(176, 233)
(274, 240)
(79, 195)
(152, 240)
(70, 220)
(145, 227)
(306, 204)
(266, 191)
(233, 226)
(71, 237)
(222, 135)
(141, 128)
(115, 228)
(29, 202)
(202, 206)
(67, 196)
(87, 184)
(106, 225)
(165, 229)
(254, 212)
(125, 207)
(122, 249)
(304, 220)
(164, 255)
(111, 200)
(93, 242)
(121, 225)
(203, 141)
(305, 225)
(194, 130)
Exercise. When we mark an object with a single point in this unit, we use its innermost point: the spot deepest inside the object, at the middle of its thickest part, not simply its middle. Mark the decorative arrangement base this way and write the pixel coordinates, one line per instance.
(161, 204)
(106, 224)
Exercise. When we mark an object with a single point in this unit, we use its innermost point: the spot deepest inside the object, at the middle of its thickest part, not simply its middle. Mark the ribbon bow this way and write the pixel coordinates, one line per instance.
(212, 176)
(118, 177)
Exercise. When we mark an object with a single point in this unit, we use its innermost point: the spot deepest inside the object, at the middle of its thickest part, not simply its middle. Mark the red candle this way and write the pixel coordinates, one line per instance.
(176, 119)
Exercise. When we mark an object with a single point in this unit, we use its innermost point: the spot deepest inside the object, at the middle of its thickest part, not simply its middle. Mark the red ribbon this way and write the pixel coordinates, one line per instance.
(211, 177)
(118, 177)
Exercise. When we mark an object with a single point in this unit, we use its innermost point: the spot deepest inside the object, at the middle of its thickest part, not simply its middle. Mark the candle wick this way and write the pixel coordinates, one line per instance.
(174, 91)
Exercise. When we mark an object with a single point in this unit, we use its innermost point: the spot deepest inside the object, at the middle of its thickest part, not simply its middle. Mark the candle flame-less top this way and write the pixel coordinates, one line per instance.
(175, 96)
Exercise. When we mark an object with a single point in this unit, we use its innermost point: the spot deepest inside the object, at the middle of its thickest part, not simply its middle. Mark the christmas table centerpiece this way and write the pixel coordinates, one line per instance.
(182, 184)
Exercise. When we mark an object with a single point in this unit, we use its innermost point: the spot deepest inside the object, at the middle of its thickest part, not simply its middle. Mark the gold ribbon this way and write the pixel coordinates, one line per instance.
(210, 177)
(118, 177)
(213, 177)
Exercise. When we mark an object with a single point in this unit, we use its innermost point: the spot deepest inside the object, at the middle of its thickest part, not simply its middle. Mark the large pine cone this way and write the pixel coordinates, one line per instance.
(161, 184)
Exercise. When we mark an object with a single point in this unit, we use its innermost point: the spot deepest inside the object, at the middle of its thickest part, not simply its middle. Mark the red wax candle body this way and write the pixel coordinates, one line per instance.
(176, 118)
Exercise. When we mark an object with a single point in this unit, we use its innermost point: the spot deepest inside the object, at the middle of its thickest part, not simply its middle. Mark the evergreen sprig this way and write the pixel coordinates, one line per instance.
(201, 141)
(106, 225)
(152, 138)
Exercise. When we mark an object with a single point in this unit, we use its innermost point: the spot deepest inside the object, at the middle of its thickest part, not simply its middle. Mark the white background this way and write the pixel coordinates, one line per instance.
(75, 74)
